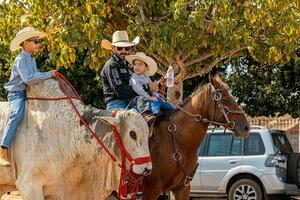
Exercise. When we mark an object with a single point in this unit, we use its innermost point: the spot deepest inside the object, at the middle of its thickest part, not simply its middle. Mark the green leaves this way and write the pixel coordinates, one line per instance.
(266, 90)
(177, 32)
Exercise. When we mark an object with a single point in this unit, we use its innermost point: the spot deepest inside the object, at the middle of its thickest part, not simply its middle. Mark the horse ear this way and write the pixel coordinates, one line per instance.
(210, 78)
(215, 81)
(113, 121)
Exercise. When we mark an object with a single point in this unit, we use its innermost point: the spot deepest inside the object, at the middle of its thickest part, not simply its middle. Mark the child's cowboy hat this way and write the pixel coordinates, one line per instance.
(25, 34)
(152, 65)
(119, 39)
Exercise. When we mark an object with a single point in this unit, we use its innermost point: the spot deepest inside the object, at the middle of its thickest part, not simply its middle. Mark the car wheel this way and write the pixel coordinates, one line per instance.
(245, 189)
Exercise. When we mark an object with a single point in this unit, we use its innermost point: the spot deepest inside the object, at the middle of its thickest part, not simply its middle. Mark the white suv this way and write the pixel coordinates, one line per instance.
(252, 168)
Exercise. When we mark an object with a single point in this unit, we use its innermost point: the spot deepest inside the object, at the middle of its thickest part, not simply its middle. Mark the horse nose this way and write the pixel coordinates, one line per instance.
(147, 171)
(247, 128)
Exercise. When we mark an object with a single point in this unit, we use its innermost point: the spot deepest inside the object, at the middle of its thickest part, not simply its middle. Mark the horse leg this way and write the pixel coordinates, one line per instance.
(182, 193)
(30, 189)
(152, 192)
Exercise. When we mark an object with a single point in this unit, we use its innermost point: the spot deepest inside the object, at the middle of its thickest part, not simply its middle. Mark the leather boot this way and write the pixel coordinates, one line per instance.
(4, 157)
(149, 118)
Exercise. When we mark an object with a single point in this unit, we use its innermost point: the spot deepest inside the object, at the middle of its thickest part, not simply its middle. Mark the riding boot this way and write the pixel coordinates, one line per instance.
(149, 118)
(4, 157)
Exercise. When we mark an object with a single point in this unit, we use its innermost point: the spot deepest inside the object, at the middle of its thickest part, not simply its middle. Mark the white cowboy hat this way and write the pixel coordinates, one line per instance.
(119, 39)
(23, 35)
(152, 65)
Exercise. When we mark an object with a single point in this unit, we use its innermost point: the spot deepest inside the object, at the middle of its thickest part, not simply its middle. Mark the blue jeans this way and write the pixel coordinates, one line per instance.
(138, 103)
(16, 101)
(160, 103)
(116, 104)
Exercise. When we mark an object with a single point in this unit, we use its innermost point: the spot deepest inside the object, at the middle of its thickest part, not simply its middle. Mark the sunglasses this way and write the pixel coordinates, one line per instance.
(36, 41)
(120, 48)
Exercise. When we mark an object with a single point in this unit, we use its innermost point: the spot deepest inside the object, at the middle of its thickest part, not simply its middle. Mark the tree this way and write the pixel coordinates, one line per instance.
(266, 90)
(194, 36)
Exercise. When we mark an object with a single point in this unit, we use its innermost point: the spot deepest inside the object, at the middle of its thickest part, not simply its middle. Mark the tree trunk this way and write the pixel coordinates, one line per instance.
(175, 93)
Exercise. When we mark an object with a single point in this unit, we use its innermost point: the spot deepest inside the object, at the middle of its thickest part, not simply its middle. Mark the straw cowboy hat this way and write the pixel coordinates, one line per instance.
(23, 35)
(119, 39)
(152, 65)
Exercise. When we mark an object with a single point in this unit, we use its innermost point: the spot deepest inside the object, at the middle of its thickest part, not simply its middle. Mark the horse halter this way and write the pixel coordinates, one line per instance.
(225, 111)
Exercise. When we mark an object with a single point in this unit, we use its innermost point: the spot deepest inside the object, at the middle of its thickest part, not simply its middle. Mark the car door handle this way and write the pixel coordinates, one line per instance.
(233, 161)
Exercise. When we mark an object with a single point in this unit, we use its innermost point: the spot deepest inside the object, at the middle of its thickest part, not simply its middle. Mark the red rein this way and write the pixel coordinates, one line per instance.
(130, 183)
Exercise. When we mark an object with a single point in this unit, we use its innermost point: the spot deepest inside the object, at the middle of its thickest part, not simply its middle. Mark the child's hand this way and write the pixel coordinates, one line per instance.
(153, 98)
(53, 73)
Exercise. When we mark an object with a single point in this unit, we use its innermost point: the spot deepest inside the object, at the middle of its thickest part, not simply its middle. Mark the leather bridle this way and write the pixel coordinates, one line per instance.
(225, 111)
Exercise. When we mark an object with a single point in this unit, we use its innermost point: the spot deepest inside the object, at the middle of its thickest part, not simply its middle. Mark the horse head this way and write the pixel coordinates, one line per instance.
(221, 108)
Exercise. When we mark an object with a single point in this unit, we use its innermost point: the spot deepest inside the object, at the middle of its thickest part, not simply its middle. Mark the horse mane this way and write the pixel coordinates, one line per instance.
(201, 87)
(165, 115)
(197, 90)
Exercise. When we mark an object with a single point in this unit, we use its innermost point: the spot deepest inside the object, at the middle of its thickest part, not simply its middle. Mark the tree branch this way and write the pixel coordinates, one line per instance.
(219, 59)
(157, 19)
(121, 11)
(144, 19)
(200, 59)
(182, 73)
(186, 57)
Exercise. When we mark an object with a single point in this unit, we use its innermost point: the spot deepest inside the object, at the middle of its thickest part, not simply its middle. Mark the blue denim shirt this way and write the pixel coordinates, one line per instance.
(24, 72)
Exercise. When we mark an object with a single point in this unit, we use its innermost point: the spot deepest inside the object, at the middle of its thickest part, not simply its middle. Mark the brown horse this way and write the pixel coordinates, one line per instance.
(178, 136)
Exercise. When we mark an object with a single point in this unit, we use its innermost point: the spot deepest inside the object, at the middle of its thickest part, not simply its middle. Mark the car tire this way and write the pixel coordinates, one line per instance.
(245, 189)
(293, 169)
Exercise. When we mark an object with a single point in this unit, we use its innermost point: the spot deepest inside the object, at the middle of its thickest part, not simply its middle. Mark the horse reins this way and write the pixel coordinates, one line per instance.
(126, 178)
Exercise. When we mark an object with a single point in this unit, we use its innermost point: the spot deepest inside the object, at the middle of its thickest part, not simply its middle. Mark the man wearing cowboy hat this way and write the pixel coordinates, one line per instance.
(116, 74)
(24, 72)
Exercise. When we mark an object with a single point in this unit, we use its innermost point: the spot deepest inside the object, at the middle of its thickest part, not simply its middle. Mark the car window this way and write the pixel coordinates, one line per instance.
(253, 145)
(219, 145)
(236, 147)
(201, 150)
(281, 144)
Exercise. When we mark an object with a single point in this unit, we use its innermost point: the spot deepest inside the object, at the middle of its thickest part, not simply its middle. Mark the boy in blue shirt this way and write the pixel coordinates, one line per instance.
(24, 72)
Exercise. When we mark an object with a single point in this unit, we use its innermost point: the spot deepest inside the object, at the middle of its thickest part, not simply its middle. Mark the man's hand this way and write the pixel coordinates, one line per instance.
(153, 86)
(153, 98)
(53, 73)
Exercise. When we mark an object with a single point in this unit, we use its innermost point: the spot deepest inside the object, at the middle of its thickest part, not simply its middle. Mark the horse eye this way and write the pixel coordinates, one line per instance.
(132, 135)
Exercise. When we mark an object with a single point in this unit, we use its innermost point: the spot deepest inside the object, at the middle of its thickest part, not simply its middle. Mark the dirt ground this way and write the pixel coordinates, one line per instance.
(16, 196)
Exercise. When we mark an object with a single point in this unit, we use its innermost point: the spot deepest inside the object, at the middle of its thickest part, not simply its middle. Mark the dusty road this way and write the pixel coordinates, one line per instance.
(16, 196)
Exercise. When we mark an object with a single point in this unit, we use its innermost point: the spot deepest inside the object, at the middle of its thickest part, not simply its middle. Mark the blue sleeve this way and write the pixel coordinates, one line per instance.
(27, 73)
